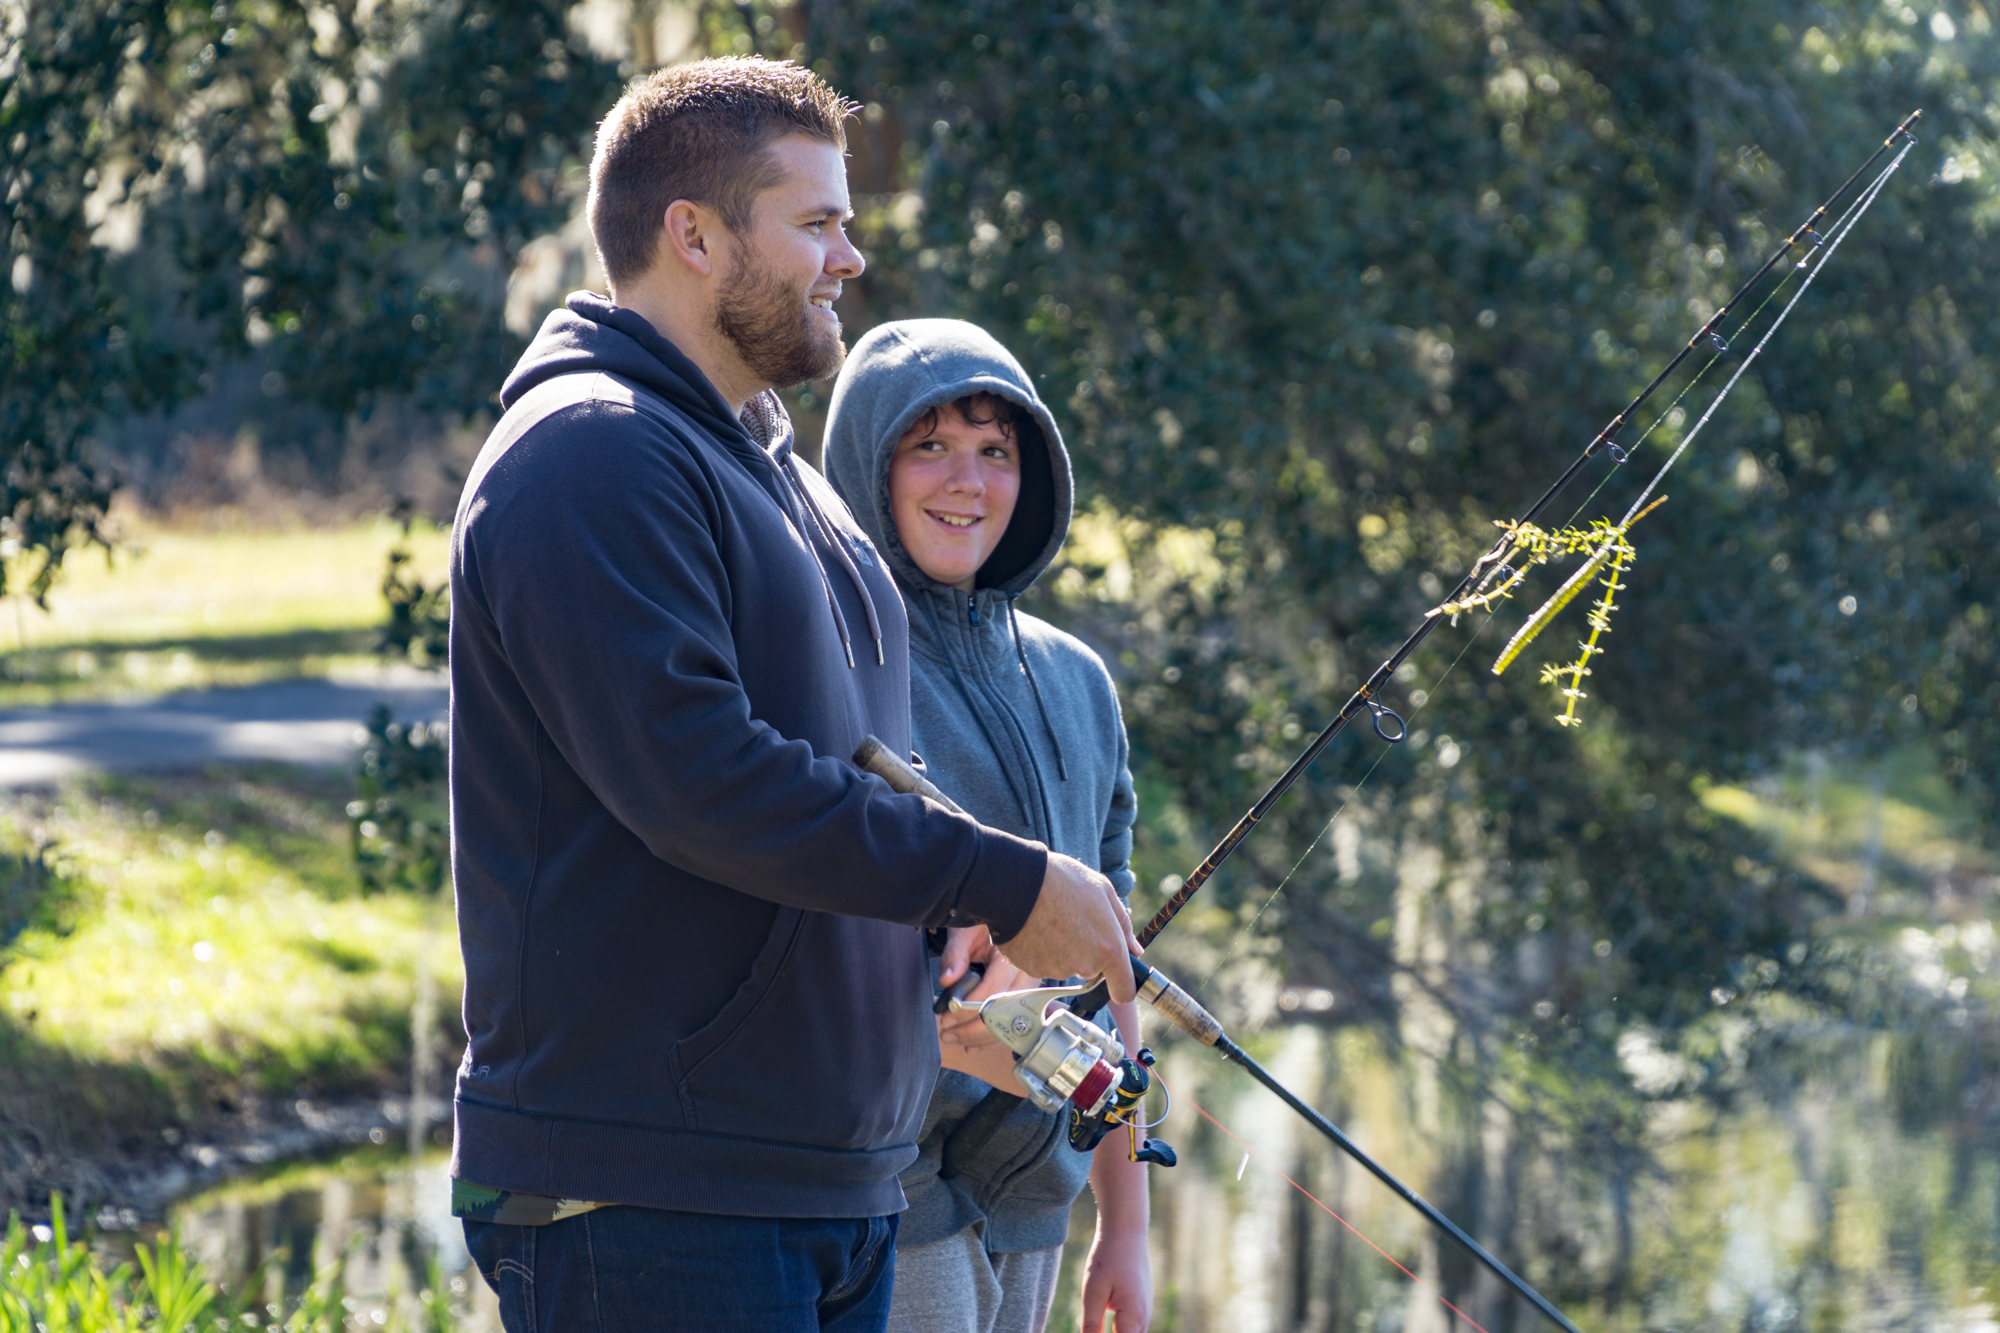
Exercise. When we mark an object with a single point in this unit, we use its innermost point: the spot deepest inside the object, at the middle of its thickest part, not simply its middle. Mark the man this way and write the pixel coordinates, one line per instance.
(700, 1040)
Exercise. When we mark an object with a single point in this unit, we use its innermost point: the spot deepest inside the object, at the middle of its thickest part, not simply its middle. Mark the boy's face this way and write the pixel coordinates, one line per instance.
(952, 491)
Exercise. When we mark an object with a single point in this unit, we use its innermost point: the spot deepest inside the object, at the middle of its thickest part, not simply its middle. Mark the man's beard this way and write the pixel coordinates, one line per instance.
(772, 326)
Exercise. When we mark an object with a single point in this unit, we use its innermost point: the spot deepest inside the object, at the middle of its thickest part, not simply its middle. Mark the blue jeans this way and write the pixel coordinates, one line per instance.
(648, 1270)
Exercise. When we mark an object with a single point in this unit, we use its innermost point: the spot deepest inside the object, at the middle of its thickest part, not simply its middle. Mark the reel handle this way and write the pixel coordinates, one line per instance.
(956, 992)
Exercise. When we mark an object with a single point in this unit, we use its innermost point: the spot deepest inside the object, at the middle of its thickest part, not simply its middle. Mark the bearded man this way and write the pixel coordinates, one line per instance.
(698, 1014)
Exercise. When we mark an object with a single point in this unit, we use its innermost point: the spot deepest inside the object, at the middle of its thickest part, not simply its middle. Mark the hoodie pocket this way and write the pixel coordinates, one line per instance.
(838, 1052)
(713, 1039)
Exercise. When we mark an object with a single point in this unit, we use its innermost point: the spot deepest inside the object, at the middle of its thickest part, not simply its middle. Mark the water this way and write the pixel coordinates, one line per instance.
(393, 1225)
(1807, 1209)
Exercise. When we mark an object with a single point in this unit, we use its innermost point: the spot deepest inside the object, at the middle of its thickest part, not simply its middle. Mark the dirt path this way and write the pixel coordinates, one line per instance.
(296, 721)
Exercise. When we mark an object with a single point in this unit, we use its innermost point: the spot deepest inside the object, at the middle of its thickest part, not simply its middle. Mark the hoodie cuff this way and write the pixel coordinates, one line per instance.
(1003, 885)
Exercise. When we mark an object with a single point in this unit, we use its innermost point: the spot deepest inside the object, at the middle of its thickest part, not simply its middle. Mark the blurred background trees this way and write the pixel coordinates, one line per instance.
(1318, 292)
(318, 204)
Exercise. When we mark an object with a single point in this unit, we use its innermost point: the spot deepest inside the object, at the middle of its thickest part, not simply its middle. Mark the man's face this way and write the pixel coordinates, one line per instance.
(775, 302)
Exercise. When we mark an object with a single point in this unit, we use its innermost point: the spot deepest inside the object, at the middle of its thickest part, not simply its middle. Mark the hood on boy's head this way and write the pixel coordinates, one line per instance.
(902, 370)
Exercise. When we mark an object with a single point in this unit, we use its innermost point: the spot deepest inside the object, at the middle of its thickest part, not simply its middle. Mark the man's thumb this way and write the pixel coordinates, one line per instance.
(957, 952)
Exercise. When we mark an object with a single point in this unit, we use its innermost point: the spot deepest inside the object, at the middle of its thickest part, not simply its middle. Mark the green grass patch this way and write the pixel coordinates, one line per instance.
(53, 1280)
(1888, 835)
(200, 938)
(180, 609)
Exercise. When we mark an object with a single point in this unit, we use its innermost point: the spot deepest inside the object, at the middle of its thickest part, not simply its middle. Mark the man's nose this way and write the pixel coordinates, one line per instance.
(843, 260)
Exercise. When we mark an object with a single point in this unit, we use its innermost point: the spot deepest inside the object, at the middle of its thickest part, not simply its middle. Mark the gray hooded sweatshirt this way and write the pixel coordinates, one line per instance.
(1015, 720)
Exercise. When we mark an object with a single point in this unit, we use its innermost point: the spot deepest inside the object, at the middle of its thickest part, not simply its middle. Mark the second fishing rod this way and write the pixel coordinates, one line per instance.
(1366, 697)
(1390, 726)
(1186, 1013)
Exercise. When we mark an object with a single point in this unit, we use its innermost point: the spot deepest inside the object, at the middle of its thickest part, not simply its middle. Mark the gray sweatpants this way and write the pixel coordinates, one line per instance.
(954, 1286)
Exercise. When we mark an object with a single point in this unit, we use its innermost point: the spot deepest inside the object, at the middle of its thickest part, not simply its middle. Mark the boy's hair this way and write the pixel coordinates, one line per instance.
(978, 409)
(702, 132)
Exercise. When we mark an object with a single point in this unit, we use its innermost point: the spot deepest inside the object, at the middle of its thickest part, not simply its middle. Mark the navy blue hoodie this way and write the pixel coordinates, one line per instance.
(692, 980)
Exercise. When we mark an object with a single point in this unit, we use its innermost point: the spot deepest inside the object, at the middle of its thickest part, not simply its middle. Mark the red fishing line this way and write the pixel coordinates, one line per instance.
(1322, 1206)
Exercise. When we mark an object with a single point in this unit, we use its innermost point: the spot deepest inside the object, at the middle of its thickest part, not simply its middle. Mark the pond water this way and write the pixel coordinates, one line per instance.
(1812, 1212)
(391, 1224)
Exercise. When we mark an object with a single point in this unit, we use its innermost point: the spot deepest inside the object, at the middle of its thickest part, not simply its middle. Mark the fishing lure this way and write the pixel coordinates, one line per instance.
(1529, 545)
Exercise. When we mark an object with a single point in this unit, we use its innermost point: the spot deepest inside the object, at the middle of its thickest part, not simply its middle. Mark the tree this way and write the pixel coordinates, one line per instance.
(1319, 291)
(338, 188)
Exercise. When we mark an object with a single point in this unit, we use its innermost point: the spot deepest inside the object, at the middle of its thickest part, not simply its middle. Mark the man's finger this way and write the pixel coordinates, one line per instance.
(957, 956)
(1125, 920)
(1118, 980)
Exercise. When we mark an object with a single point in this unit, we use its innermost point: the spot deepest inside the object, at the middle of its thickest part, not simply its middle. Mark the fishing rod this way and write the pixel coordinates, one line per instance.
(1187, 1013)
(1062, 1058)
(1488, 564)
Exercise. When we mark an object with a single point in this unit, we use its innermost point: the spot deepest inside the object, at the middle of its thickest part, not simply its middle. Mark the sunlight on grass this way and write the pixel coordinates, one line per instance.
(1855, 827)
(178, 583)
(213, 925)
(189, 609)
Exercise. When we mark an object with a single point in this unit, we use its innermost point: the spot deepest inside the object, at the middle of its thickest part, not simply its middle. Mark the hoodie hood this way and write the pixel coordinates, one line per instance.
(592, 334)
(893, 376)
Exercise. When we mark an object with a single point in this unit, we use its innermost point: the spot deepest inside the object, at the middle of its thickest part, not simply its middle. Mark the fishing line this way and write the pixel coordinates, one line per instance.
(1236, 941)
(1250, 1152)
(1843, 224)
(1849, 219)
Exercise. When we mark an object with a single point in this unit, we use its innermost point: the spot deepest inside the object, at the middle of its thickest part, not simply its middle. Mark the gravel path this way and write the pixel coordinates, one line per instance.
(294, 721)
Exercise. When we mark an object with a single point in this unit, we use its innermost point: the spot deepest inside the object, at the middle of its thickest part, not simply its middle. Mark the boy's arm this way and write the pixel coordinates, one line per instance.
(1118, 1278)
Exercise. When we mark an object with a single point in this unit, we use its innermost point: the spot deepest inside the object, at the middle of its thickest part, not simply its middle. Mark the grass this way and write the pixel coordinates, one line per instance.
(198, 942)
(51, 1282)
(1888, 836)
(179, 608)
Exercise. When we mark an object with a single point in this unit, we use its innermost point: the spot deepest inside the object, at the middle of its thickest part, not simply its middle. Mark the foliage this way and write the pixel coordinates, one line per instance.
(419, 628)
(29, 879)
(1339, 285)
(398, 821)
(52, 1283)
(336, 190)
(400, 818)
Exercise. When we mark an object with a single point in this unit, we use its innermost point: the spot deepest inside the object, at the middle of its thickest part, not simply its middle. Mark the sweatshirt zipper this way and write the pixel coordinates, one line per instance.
(972, 609)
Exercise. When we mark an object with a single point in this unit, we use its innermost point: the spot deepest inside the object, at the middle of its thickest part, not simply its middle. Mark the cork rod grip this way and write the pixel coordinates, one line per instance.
(871, 756)
(1181, 1008)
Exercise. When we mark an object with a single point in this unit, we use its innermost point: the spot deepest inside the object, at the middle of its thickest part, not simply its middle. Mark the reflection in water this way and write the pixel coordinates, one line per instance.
(1807, 1210)
(393, 1228)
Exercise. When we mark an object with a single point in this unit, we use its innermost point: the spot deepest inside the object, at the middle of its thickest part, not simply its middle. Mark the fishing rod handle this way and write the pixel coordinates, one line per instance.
(1180, 1008)
(871, 756)
(1155, 987)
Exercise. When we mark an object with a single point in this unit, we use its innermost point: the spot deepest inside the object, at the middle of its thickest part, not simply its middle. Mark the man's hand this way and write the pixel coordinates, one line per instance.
(1078, 928)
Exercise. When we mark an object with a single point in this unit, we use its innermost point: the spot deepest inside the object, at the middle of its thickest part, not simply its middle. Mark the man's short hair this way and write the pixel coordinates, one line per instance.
(702, 132)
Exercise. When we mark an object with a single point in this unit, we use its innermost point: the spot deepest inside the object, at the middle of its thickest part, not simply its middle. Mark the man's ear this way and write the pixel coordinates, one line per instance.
(692, 236)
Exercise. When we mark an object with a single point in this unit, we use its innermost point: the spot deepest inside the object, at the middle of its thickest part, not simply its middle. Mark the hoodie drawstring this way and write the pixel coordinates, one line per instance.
(992, 746)
(1020, 654)
(801, 501)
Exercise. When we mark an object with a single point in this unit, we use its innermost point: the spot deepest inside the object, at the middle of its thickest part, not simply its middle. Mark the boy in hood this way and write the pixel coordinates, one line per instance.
(953, 466)
(698, 1015)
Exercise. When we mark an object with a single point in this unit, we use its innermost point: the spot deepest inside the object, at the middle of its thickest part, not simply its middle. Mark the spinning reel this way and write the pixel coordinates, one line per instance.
(1063, 1059)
